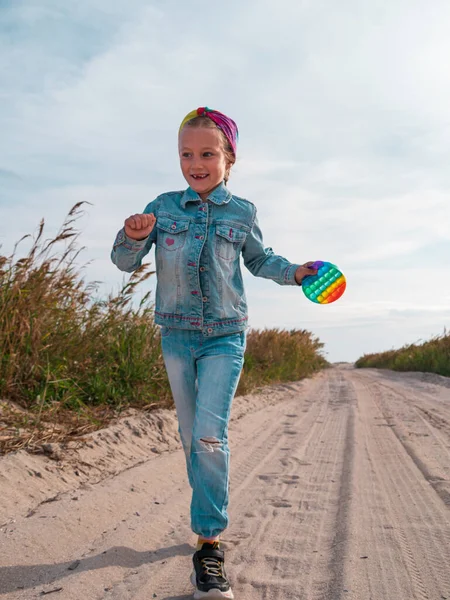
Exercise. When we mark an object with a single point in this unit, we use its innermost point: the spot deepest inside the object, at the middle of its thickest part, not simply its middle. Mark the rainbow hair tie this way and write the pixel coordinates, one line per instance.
(224, 123)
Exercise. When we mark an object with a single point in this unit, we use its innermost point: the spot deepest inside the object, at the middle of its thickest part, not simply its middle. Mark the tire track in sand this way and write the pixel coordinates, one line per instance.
(424, 434)
(295, 544)
(406, 526)
(326, 503)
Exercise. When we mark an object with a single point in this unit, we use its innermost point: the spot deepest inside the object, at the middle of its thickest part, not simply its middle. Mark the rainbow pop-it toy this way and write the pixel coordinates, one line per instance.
(325, 287)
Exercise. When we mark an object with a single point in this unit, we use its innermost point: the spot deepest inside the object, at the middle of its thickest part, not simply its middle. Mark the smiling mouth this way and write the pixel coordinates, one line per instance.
(199, 177)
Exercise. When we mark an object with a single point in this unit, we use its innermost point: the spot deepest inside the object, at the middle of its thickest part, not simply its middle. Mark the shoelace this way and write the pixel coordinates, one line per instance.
(212, 566)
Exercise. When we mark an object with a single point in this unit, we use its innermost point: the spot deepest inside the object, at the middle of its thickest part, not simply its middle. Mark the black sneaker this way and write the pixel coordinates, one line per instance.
(209, 577)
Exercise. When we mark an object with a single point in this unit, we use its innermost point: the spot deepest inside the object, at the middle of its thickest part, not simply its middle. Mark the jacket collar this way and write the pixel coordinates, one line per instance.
(220, 195)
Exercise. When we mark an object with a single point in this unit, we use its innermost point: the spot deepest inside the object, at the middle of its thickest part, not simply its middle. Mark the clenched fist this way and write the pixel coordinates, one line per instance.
(138, 227)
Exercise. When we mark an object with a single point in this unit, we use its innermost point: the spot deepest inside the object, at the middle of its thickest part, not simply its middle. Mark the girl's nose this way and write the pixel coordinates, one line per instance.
(197, 162)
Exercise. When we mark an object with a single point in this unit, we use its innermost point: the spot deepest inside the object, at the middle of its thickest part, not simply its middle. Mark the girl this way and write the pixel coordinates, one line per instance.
(199, 235)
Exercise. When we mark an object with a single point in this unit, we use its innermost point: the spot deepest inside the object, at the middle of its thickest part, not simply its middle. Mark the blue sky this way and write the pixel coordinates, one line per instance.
(344, 117)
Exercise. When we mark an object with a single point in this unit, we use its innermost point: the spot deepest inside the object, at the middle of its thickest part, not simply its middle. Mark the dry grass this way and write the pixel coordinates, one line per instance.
(21, 428)
(69, 363)
(429, 357)
(275, 355)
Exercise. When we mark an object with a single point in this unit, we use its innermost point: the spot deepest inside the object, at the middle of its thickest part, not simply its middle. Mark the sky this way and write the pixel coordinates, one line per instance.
(343, 110)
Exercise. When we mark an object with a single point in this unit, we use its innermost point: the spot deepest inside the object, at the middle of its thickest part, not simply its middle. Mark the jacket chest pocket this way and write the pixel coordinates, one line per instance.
(229, 241)
(172, 233)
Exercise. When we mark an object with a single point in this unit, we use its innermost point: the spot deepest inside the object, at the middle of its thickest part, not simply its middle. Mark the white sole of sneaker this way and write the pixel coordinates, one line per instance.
(212, 594)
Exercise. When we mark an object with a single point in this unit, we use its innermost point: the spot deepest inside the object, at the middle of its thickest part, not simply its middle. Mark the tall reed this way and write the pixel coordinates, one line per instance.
(59, 344)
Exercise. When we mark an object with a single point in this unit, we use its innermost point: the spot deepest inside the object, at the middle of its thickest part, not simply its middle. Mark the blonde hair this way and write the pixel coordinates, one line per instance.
(207, 123)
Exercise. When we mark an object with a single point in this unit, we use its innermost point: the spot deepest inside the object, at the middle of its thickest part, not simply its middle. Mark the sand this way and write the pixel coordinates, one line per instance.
(340, 488)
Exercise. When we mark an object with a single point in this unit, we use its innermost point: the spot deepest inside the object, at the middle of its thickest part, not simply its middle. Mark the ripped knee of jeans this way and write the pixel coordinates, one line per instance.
(209, 444)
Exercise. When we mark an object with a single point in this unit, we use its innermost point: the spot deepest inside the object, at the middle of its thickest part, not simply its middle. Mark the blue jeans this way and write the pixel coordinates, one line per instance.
(203, 374)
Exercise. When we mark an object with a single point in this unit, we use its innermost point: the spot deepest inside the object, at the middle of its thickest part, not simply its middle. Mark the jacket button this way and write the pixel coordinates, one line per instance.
(205, 299)
(201, 237)
(209, 330)
(202, 269)
(173, 226)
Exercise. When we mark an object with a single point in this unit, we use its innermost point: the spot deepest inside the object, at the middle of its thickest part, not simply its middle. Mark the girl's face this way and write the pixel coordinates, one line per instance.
(202, 159)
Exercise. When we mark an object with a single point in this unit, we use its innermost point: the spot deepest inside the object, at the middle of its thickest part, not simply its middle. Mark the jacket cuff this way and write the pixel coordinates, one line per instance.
(123, 240)
(289, 275)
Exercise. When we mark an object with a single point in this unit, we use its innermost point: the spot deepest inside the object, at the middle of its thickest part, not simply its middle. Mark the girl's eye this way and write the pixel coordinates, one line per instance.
(185, 155)
(207, 154)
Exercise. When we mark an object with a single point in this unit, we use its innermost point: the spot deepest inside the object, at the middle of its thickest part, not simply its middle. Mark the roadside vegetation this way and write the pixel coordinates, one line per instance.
(432, 356)
(69, 363)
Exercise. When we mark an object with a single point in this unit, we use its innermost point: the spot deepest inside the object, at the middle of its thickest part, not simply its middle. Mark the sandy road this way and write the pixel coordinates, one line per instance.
(339, 490)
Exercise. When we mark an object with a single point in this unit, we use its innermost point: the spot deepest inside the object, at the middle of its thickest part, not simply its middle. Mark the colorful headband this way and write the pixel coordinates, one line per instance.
(224, 123)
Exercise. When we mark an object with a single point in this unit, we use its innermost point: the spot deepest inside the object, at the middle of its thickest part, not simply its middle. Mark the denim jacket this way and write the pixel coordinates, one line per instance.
(197, 248)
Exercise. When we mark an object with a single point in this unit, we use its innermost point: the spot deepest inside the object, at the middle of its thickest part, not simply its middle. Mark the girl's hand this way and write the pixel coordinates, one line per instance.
(303, 271)
(139, 227)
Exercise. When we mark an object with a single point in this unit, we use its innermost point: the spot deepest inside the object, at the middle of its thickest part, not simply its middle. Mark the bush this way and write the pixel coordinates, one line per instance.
(430, 357)
(273, 356)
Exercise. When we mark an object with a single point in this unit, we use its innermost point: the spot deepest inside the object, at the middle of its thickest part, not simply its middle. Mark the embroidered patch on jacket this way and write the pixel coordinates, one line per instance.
(170, 241)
